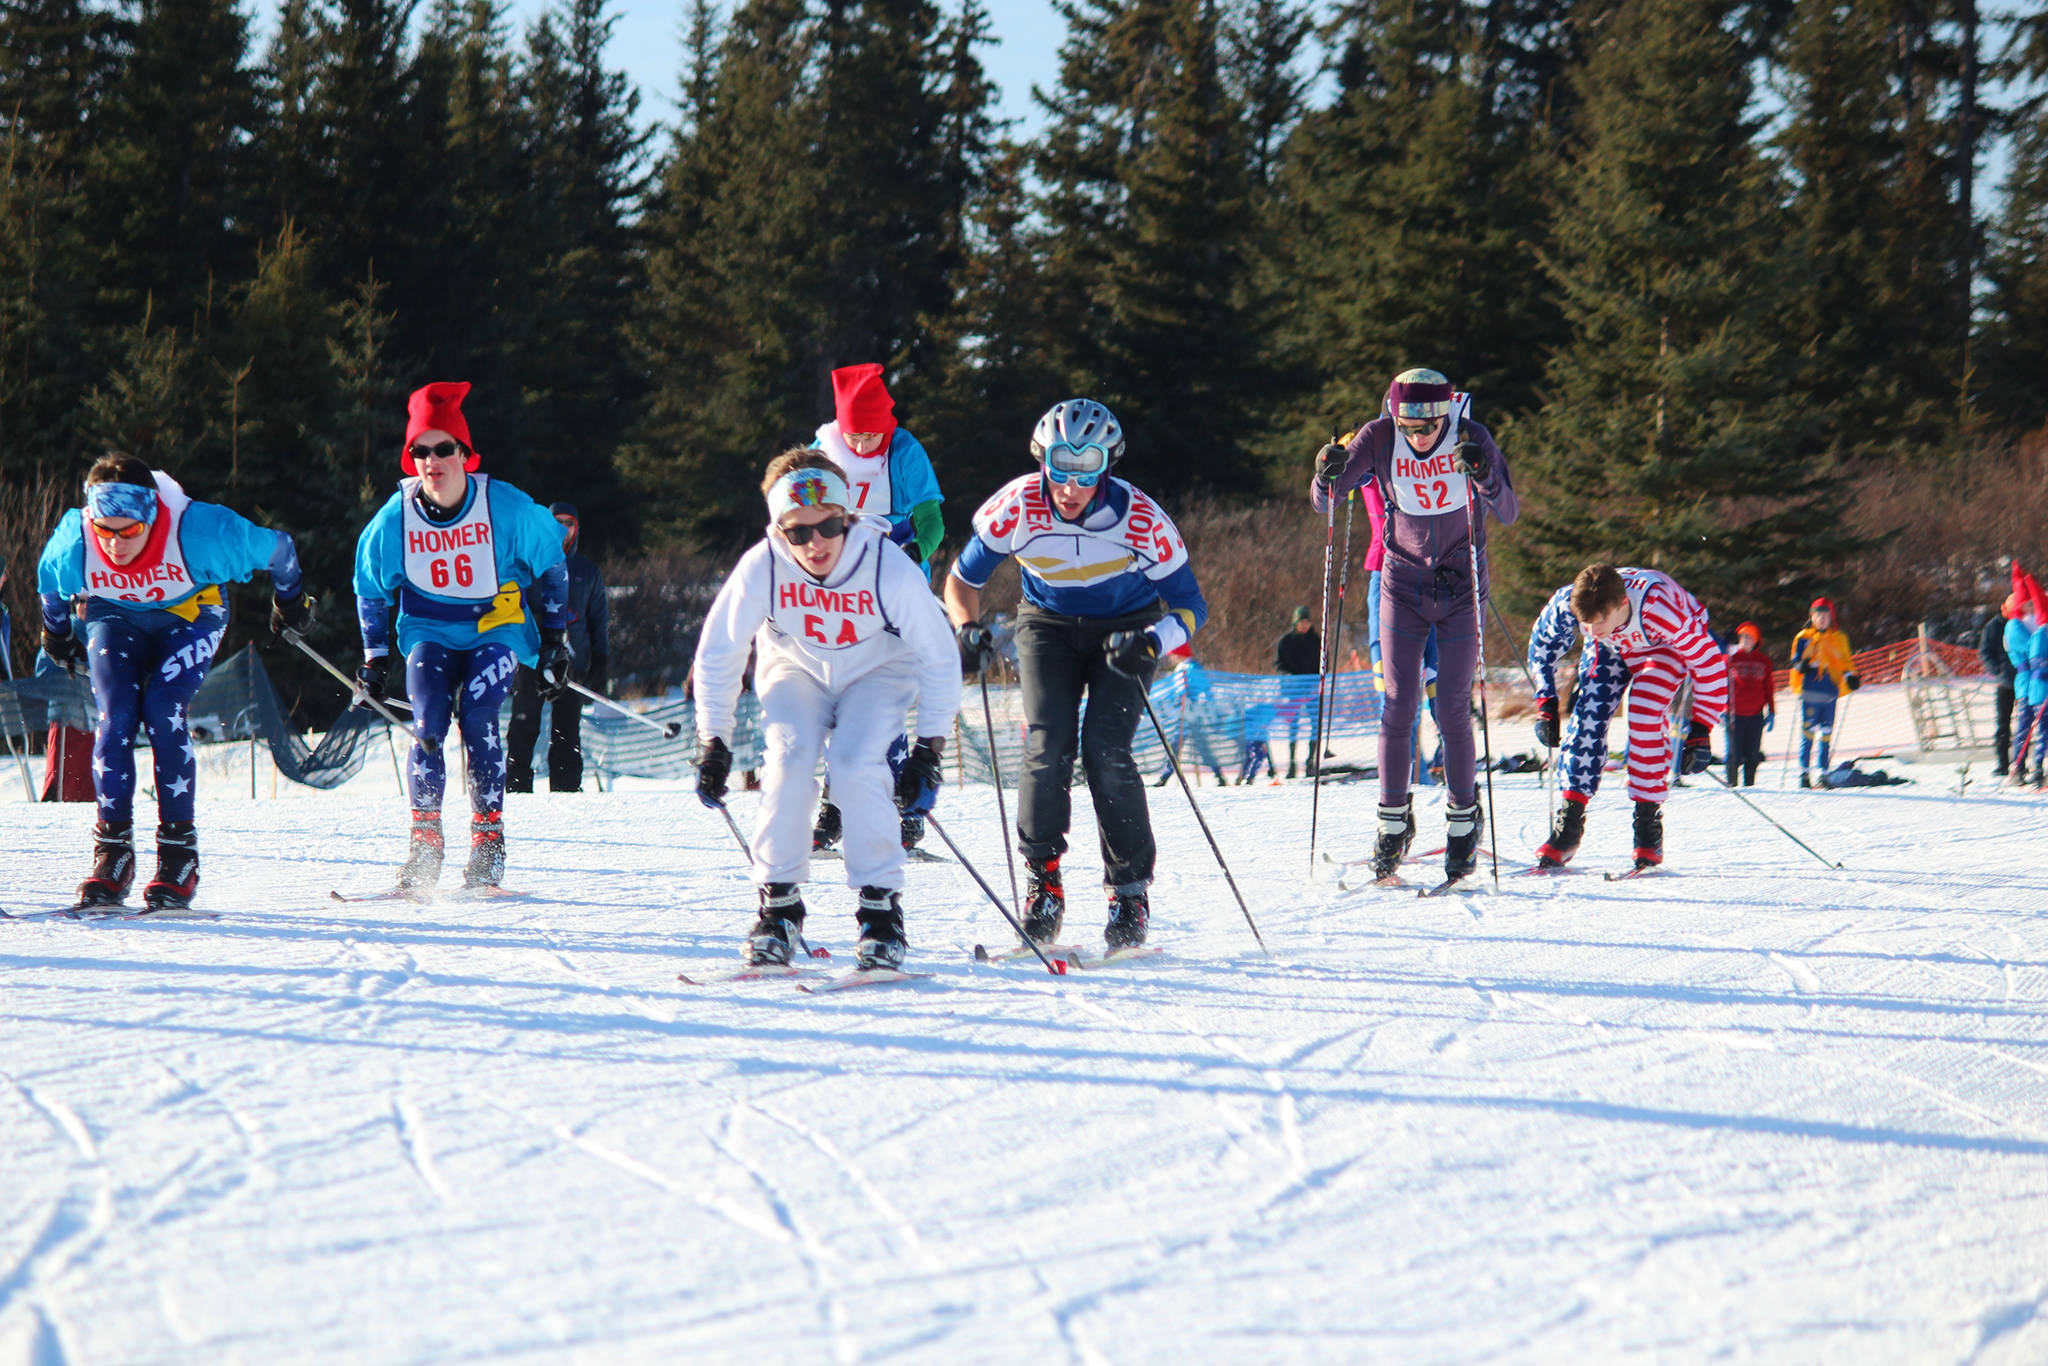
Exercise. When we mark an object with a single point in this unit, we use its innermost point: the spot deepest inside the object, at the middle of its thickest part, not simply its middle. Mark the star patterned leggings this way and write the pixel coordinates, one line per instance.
(473, 685)
(145, 668)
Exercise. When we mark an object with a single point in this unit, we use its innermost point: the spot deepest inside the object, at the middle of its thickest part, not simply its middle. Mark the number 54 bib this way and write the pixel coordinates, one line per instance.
(1427, 485)
(456, 559)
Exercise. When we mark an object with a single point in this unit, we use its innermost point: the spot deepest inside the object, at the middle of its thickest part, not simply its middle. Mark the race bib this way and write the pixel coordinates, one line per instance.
(458, 559)
(827, 618)
(866, 475)
(165, 579)
(1429, 485)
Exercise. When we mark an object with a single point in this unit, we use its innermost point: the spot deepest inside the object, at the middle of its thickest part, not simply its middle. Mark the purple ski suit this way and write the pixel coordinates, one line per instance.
(1426, 582)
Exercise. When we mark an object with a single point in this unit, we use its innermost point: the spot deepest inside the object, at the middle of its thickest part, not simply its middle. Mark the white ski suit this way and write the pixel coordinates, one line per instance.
(841, 661)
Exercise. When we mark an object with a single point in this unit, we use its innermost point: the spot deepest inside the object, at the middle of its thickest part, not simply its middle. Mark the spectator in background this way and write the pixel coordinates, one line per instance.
(1823, 672)
(1992, 648)
(1752, 703)
(590, 656)
(2026, 645)
(1299, 656)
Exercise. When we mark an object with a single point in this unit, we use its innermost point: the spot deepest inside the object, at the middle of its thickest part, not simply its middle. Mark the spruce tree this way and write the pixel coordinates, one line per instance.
(1408, 219)
(1674, 434)
(1877, 302)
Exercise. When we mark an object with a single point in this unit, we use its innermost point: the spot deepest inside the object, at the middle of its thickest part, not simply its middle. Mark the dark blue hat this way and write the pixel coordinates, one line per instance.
(563, 510)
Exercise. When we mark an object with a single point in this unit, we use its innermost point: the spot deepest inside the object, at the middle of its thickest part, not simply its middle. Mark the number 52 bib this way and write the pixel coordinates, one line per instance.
(1427, 485)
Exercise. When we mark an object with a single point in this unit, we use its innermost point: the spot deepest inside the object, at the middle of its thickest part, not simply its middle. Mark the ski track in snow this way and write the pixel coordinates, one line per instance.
(1757, 1109)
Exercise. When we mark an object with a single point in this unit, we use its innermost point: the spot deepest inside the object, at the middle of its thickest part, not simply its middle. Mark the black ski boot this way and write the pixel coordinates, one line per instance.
(1129, 915)
(1567, 828)
(1397, 832)
(113, 865)
(177, 867)
(778, 933)
(1293, 768)
(422, 870)
(913, 831)
(829, 828)
(486, 850)
(1045, 900)
(881, 929)
(1649, 834)
(1462, 826)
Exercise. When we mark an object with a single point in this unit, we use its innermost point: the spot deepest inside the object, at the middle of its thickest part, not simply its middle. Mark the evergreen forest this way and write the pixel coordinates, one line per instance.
(1754, 292)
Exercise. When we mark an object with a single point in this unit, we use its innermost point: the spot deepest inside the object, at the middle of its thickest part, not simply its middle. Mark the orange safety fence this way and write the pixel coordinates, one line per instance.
(1912, 658)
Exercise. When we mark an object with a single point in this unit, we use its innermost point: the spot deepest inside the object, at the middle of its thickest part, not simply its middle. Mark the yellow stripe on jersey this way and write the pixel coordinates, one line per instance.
(188, 610)
(1050, 569)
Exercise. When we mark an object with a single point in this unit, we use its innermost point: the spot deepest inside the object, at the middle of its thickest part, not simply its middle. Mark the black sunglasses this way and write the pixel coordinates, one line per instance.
(832, 528)
(440, 450)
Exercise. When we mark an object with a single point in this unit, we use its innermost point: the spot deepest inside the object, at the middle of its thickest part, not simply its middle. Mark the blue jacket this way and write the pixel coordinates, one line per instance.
(527, 553)
(220, 545)
(2027, 647)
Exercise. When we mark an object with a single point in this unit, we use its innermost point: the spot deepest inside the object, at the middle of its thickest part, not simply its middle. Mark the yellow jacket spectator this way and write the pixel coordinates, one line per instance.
(1822, 671)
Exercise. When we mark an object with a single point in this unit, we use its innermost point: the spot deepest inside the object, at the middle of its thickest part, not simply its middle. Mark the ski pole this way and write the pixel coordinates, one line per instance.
(1057, 967)
(428, 743)
(1479, 635)
(734, 826)
(1146, 698)
(1315, 735)
(1761, 812)
(995, 768)
(669, 730)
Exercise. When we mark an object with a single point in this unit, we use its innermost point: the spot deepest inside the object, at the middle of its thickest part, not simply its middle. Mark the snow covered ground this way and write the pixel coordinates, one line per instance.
(1753, 1110)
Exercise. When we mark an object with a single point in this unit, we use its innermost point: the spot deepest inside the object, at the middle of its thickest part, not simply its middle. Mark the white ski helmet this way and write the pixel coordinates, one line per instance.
(1079, 423)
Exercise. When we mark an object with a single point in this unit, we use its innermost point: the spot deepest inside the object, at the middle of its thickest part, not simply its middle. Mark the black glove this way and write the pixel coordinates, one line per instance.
(1131, 652)
(1699, 749)
(1471, 457)
(67, 650)
(714, 765)
(1852, 680)
(294, 613)
(370, 677)
(977, 648)
(917, 784)
(553, 666)
(1330, 462)
(1546, 723)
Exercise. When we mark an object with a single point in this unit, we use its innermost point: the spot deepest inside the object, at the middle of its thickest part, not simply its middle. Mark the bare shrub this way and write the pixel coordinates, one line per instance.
(658, 601)
(29, 509)
(1948, 533)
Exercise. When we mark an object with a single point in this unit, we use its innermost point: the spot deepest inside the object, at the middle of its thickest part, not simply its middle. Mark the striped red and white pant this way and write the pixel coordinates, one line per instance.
(1650, 679)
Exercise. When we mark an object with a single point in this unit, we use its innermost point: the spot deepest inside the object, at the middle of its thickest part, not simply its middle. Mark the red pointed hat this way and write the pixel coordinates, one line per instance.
(1822, 605)
(861, 402)
(437, 407)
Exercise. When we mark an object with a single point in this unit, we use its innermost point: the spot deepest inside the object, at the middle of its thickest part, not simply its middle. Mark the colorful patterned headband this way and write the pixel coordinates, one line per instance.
(808, 488)
(121, 500)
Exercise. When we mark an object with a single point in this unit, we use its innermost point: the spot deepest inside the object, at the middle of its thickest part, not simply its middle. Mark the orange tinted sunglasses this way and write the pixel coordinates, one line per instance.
(126, 533)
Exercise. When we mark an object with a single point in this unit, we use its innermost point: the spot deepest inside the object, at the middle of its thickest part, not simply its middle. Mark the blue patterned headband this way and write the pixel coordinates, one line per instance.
(807, 488)
(121, 500)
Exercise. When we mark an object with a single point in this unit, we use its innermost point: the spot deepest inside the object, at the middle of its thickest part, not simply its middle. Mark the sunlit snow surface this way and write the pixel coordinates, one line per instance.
(1753, 1110)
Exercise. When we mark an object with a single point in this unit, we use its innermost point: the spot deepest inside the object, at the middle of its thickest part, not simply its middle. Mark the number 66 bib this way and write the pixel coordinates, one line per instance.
(1429, 485)
(456, 559)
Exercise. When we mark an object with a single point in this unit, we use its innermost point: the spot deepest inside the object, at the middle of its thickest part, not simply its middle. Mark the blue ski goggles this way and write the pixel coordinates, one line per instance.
(1082, 465)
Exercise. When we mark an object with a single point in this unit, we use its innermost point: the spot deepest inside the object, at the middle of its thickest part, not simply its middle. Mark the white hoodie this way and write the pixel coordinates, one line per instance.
(875, 609)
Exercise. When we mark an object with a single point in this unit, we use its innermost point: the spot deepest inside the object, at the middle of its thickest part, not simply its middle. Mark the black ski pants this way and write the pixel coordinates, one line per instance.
(1060, 660)
(2002, 742)
(1745, 748)
(565, 738)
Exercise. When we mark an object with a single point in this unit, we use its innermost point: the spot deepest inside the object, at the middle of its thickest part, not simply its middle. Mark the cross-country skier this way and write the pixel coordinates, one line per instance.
(1097, 558)
(467, 559)
(2026, 645)
(148, 562)
(1375, 567)
(1646, 635)
(892, 480)
(1823, 672)
(849, 639)
(1432, 461)
(590, 655)
(1752, 703)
